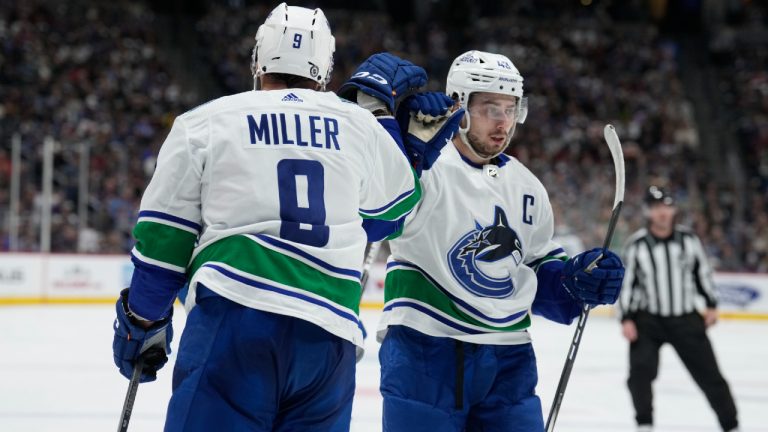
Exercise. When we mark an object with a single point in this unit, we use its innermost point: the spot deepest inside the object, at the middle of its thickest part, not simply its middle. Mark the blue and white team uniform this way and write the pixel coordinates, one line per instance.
(258, 201)
(463, 285)
(475, 259)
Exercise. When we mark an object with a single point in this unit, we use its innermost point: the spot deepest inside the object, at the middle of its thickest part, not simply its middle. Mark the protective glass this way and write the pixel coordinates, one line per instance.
(493, 112)
(516, 114)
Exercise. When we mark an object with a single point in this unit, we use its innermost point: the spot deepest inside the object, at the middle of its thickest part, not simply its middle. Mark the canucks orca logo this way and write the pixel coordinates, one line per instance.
(475, 260)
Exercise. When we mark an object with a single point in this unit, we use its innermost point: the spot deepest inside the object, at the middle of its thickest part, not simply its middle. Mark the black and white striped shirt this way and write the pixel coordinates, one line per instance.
(664, 276)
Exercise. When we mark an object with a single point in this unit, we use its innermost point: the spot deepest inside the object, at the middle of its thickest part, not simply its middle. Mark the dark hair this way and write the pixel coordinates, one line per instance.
(291, 81)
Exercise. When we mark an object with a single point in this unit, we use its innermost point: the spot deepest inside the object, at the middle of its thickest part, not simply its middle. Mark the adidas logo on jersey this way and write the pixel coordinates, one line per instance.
(290, 97)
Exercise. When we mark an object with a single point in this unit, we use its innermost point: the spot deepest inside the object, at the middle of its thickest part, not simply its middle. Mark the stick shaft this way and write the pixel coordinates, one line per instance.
(567, 368)
(612, 225)
(373, 252)
(618, 164)
(130, 396)
(576, 342)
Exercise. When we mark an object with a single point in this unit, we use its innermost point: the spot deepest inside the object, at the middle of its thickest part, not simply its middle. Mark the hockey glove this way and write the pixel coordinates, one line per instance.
(601, 285)
(430, 125)
(132, 340)
(385, 77)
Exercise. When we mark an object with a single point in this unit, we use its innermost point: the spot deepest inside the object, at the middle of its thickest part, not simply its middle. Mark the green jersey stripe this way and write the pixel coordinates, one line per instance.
(401, 208)
(257, 259)
(164, 243)
(412, 284)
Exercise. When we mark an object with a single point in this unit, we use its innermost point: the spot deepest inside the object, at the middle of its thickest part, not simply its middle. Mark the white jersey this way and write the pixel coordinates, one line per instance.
(260, 197)
(465, 265)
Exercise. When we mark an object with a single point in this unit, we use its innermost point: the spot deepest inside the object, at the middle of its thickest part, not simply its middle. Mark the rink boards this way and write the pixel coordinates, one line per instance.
(30, 278)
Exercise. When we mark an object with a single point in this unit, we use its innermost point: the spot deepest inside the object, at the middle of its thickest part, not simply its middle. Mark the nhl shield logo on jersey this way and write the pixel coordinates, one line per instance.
(483, 260)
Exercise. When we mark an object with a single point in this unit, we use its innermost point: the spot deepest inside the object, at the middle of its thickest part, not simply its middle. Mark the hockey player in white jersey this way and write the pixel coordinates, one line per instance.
(257, 202)
(475, 259)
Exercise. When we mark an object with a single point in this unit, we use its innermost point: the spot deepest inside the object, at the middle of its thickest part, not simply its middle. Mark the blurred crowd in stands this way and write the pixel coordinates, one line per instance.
(90, 74)
(739, 53)
(96, 75)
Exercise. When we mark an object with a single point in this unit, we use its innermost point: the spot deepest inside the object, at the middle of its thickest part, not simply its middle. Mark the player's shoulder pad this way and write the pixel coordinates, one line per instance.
(523, 174)
(212, 105)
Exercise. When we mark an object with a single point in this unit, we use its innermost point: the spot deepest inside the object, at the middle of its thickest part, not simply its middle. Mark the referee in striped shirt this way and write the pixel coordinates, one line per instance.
(666, 270)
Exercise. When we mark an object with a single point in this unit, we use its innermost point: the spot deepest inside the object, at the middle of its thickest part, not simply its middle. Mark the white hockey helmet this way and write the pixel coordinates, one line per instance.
(297, 41)
(478, 71)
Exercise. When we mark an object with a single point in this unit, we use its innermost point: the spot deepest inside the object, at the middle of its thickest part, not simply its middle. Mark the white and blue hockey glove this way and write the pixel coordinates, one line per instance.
(599, 286)
(428, 124)
(384, 77)
(132, 340)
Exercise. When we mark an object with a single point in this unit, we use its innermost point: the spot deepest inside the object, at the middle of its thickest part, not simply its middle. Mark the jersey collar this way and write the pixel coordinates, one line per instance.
(499, 161)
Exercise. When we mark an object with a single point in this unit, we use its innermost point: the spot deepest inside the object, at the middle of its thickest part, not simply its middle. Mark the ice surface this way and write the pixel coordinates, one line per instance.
(56, 374)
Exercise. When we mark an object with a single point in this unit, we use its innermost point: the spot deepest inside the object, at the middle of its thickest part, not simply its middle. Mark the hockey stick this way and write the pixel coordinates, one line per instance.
(152, 356)
(373, 252)
(130, 396)
(614, 145)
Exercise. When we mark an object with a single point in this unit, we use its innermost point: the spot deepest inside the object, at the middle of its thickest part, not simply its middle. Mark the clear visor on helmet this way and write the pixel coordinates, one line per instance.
(515, 114)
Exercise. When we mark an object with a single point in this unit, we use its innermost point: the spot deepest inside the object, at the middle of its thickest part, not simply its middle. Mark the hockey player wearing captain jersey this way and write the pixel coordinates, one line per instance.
(460, 287)
(257, 202)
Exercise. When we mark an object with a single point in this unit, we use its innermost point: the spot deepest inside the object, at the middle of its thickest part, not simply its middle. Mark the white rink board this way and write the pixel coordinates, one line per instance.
(742, 292)
(95, 276)
(51, 277)
(72, 277)
(21, 275)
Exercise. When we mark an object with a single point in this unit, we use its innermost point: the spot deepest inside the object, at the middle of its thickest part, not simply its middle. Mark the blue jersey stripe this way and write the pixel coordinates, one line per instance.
(290, 248)
(391, 204)
(267, 287)
(139, 262)
(422, 309)
(170, 218)
(457, 300)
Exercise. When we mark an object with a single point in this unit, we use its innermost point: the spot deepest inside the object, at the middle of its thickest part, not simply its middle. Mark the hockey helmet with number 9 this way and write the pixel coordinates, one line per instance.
(297, 41)
(483, 72)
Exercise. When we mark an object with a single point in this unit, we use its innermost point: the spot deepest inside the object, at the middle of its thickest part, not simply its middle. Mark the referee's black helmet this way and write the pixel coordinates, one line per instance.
(656, 194)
